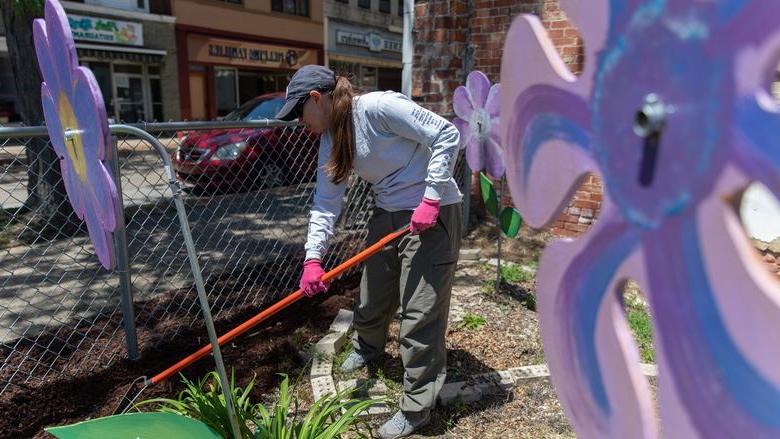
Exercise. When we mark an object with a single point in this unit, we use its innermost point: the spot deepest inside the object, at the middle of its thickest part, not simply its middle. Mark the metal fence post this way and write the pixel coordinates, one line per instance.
(192, 255)
(122, 257)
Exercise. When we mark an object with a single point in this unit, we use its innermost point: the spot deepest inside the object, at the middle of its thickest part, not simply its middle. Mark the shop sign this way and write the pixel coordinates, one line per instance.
(105, 30)
(372, 41)
(242, 53)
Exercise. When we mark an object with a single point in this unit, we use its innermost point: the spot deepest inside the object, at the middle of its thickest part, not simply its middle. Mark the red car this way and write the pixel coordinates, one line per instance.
(244, 159)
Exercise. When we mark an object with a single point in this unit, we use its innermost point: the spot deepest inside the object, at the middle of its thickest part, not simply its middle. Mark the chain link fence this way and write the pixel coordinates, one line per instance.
(248, 190)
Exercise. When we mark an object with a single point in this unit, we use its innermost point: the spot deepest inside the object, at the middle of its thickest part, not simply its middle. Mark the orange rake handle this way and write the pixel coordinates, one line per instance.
(278, 306)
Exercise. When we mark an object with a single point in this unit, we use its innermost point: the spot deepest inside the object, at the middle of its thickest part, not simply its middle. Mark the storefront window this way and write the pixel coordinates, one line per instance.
(389, 79)
(292, 7)
(102, 72)
(368, 79)
(348, 70)
(253, 83)
(155, 90)
(130, 97)
(225, 89)
(8, 110)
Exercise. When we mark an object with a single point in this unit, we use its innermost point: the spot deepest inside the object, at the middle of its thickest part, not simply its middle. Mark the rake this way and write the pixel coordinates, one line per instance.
(253, 321)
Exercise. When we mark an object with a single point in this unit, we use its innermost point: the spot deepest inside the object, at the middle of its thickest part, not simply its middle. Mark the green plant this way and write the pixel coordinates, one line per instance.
(472, 321)
(346, 348)
(489, 287)
(529, 301)
(327, 418)
(514, 273)
(639, 321)
(204, 401)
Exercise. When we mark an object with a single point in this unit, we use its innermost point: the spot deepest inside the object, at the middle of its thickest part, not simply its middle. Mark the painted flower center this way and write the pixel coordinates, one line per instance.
(480, 123)
(73, 141)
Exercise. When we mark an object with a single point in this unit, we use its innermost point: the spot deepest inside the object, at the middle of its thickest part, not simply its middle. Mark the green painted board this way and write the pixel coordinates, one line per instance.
(137, 426)
(510, 221)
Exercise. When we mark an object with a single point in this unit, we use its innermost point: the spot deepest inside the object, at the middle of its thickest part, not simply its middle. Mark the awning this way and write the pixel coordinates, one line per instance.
(108, 53)
(376, 62)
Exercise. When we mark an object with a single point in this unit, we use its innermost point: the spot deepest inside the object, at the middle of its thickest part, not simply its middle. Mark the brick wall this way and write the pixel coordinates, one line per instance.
(451, 40)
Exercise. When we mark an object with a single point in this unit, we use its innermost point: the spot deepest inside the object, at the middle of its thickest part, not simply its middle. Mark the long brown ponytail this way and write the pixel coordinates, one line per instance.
(342, 130)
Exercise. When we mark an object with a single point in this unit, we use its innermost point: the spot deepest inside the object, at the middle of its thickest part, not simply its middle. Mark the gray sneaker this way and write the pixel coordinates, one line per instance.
(401, 425)
(353, 362)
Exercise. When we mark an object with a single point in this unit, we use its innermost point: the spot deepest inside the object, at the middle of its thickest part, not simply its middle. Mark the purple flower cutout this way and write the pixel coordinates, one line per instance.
(696, 72)
(477, 107)
(78, 128)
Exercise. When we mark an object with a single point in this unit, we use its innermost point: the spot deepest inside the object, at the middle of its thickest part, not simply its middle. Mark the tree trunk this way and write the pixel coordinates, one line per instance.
(45, 189)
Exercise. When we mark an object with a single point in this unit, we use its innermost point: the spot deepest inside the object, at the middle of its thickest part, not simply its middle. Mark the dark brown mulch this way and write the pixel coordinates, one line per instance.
(85, 391)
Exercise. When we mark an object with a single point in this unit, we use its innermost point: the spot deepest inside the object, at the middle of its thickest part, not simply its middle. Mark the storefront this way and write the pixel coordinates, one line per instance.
(219, 72)
(370, 56)
(134, 73)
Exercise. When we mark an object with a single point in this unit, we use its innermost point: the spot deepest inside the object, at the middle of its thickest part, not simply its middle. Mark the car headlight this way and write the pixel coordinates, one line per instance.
(231, 151)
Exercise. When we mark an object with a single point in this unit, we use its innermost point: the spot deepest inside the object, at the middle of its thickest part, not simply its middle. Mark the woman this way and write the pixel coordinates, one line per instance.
(408, 155)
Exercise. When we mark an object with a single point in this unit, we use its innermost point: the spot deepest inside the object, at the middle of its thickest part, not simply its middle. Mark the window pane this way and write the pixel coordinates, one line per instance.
(368, 78)
(348, 70)
(154, 86)
(364, 4)
(276, 5)
(303, 8)
(384, 6)
(389, 79)
(289, 6)
(400, 8)
(102, 72)
(157, 112)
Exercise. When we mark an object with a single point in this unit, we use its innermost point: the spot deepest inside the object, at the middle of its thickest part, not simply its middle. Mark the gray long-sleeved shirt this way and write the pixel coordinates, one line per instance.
(404, 151)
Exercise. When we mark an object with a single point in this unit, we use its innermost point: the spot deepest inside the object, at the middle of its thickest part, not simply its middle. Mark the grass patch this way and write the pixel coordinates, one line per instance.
(529, 301)
(341, 355)
(513, 273)
(473, 321)
(489, 287)
(639, 321)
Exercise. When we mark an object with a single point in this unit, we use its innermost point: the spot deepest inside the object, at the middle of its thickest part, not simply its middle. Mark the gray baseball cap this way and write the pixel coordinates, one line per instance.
(307, 78)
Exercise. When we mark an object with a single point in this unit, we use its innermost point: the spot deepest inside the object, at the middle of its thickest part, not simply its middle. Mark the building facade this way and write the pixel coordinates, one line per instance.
(130, 46)
(232, 51)
(363, 40)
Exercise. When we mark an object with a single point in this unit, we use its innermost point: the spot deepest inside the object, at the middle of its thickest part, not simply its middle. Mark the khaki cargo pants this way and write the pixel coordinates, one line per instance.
(415, 272)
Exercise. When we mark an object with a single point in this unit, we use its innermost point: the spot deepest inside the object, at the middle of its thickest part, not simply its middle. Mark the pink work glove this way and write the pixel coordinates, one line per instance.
(311, 282)
(424, 217)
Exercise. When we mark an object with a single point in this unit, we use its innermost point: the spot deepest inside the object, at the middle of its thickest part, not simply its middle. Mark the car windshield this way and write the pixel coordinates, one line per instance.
(257, 109)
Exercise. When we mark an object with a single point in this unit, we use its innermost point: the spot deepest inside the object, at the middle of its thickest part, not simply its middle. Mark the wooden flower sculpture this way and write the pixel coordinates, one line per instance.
(78, 127)
(672, 112)
(476, 105)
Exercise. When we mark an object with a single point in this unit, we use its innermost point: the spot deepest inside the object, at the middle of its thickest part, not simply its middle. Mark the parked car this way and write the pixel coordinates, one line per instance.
(244, 159)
